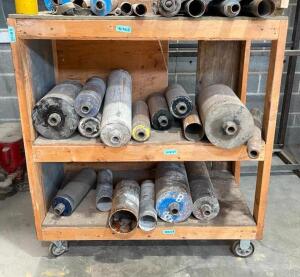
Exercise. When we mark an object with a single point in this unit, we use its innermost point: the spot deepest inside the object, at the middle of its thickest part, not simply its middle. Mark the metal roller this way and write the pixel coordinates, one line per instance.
(167, 8)
(126, 8)
(103, 7)
(124, 213)
(90, 126)
(141, 128)
(205, 203)
(139, 9)
(161, 118)
(195, 8)
(68, 198)
(254, 143)
(104, 190)
(226, 120)
(179, 102)
(173, 199)
(116, 117)
(147, 215)
(228, 8)
(192, 127)
(89, 100)
(258, 8)
(54, 116)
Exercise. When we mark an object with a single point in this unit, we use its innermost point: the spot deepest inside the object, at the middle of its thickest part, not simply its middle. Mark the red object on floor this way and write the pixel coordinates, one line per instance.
(12, 155)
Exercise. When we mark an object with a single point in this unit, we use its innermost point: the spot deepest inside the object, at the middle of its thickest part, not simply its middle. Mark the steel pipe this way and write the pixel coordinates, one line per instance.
(126, 8)
(195, 8)
(104, 190)
(192, 127)
(139, 9)
(258, 8)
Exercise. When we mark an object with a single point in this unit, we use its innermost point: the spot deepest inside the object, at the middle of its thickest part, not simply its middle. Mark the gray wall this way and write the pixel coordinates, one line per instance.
(181, 70)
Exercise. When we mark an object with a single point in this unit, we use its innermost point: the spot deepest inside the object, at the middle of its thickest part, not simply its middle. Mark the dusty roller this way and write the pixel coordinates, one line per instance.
(192, 127)
(68, 198)
(141, 128)
(161, 118)
(54, 116)
(205, 203)
(116, 124)
(147, 215)
(173, 199)
(179, 102)
(254, 143)
(89, 100)
(124, 213)
(226, 120)
(167, 8)
(90, 126)
(104, 190)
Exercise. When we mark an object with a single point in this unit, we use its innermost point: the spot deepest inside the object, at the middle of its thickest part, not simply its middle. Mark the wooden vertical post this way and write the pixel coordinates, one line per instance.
(269, 125)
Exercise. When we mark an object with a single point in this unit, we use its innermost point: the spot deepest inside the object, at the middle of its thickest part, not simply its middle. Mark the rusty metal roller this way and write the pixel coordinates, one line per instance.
(258, 8)
(148, 214)
(54, 116)
(104, 190)
(116, 117)
(173, 199)
(226, 120)
(141, 128)
(205, 203)
(68, 198)
(90, 126)
(161, 118)
(89, 100)
(124, 213)
(192, 127)
(180, 104)
(254, 143)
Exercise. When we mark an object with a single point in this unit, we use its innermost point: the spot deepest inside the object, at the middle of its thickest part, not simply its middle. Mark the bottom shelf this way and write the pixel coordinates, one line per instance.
(234, 221)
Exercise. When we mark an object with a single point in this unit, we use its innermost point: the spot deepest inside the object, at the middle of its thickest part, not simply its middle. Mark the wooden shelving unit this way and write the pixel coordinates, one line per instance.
(42, 55)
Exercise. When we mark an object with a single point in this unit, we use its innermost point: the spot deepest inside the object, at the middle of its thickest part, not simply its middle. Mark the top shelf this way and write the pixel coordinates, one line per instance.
(149, 28)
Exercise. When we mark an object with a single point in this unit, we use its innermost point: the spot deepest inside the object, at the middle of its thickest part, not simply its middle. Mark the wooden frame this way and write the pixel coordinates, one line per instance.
(37, 29)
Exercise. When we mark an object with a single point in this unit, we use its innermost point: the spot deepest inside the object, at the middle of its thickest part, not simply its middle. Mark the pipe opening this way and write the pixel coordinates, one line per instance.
(123, 221)
(230, 128)
(265, 8)
(174, 208)
(85, 109)
(115, 139)
(235, 8)
(59, 209)
(196, 8)
(141, 134)
(207, 213)
(174, 211)
(89, 130)
(126, 8)
(254, 154)
(181, 108)
(140, 9)
(54, 119)
(104, 204)
(99, 5)
(194, 131)
(163, 121)
(147, 222)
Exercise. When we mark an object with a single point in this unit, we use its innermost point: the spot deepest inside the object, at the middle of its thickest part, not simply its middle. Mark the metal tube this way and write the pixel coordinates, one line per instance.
(90, 126)
(161, 118)
(229, 8)
(103, 7)
(68, 198)
(173, 199)
(226, 120)
(104, 190)
(139, 9)
(141, 128)
(192, 127)
(148, 215)
(126, 8)
(195, 8)
(89, 100)
(116, 118)
(124, 213)
(258, 8)
(167, 8)
(205, 203)
(254, 143)
(179, 102)
(54, 116)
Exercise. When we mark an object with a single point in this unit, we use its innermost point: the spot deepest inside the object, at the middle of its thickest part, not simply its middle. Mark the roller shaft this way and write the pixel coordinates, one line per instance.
(104, 190)
(141, 128)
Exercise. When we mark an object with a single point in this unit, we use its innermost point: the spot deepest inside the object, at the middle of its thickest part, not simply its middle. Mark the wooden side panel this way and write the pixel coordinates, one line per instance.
(147, 61)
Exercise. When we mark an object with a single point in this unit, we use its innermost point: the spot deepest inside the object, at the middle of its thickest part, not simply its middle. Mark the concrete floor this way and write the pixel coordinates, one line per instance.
(277, 255)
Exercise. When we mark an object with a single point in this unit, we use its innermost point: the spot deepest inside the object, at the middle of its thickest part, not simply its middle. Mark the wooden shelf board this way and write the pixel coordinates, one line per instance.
(148, 28)
(86, 223)
(162, 146)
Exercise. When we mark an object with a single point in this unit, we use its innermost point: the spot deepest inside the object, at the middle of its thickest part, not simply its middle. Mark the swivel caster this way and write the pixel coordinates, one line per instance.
(59, 247)
(242, 248)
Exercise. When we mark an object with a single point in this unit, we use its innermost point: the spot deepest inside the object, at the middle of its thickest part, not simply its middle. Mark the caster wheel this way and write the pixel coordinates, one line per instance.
(238, 251)
(58, 248)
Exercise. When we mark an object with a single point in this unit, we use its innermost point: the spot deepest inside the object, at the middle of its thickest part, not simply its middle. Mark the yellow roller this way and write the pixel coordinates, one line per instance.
(26, 6)
(141, 129)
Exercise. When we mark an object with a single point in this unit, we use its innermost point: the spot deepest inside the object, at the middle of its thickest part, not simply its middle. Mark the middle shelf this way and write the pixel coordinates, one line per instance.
(162, 146)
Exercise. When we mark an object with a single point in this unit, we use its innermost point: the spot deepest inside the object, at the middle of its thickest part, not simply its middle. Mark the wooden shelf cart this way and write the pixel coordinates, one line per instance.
(49, 49)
